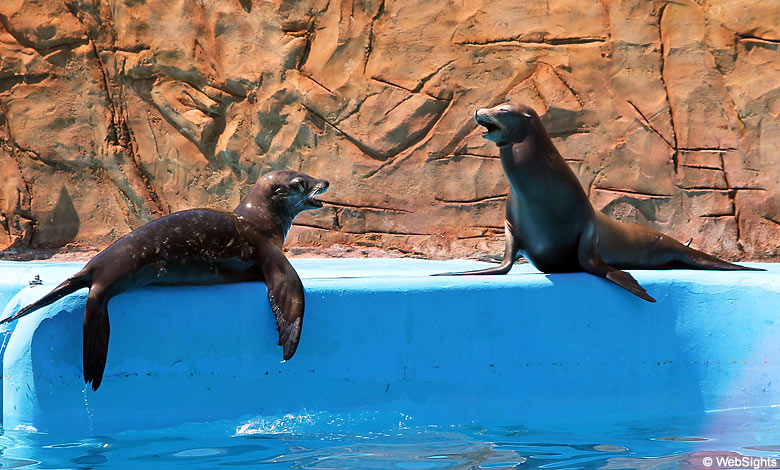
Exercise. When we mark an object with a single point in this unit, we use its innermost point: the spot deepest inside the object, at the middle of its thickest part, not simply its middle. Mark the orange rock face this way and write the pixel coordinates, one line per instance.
(113, 113)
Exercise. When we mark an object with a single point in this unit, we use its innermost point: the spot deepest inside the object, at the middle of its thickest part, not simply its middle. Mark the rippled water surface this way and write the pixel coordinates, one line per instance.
(750, 438)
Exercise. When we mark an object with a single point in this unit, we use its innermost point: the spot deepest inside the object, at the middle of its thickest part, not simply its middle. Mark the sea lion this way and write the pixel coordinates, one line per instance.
(550, 221)
(200, 246)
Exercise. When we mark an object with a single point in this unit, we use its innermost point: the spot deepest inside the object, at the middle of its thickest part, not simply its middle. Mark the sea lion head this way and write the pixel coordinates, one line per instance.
(507, 123)
(290, 191)
(294, 189)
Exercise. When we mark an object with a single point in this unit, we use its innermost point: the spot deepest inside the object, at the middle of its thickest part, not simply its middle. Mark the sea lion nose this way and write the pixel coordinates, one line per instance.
(480, 114)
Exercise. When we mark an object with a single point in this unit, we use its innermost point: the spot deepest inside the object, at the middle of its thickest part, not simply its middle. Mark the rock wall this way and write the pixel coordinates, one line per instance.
(113, 113)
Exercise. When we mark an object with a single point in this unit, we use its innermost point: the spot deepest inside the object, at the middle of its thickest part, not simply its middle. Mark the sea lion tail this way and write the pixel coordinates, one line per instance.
(72, 284)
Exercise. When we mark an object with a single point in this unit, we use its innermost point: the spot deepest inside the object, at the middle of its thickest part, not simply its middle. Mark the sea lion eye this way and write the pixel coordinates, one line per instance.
(277, 189)
(298, 186)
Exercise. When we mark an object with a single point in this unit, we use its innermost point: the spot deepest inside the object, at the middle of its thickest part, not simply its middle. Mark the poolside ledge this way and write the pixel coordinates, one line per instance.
(382, 335)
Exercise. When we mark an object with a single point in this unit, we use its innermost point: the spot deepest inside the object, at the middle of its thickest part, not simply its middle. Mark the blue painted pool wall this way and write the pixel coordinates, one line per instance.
(15, 276)
(382, 335)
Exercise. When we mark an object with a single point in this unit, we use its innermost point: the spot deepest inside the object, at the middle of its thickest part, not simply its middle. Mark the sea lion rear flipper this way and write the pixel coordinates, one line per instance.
(68, 286)
(591, 261)
(511, 247)
(96, 333)
(695, 259)
(285, 292)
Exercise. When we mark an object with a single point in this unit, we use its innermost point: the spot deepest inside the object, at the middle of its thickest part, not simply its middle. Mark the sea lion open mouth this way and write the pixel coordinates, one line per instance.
(311, 199)
(488, 122)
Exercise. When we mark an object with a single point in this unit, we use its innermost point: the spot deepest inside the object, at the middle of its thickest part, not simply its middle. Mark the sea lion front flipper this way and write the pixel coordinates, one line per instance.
(511, 247)
(96, 333)
(285, 292)
(591, 261)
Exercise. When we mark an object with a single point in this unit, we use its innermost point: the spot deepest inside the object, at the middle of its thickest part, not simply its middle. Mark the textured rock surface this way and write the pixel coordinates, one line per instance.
(115, 112)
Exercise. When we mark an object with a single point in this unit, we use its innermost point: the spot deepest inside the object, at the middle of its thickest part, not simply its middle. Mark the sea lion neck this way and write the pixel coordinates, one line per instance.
(522, 159)
(538, 138)
(275, 219)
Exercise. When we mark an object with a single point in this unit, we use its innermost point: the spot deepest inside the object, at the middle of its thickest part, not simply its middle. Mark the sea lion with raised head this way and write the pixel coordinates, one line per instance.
(550, 221)
(200, 246)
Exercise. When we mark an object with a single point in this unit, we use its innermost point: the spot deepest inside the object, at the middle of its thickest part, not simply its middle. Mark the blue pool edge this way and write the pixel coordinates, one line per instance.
(383, 335)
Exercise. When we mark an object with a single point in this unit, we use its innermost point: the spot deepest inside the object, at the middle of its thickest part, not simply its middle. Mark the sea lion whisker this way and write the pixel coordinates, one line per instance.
(316, 191)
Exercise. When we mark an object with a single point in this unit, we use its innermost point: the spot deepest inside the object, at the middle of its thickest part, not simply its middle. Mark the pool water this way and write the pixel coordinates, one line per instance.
(368, 440)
